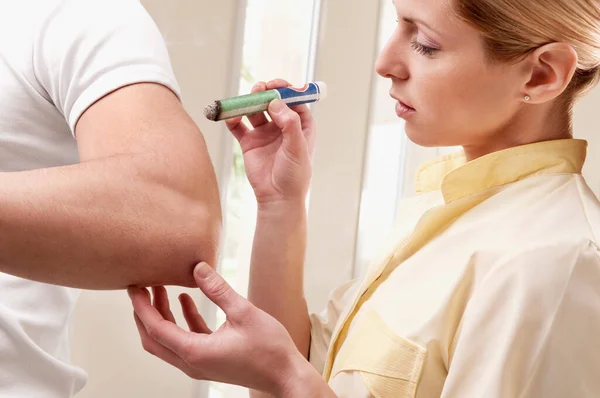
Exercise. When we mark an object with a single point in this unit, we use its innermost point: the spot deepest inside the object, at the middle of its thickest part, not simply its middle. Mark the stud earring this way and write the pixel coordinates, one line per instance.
(527, 98)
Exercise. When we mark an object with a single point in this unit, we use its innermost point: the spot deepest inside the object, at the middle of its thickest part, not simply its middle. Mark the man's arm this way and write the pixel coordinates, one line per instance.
(142, 207)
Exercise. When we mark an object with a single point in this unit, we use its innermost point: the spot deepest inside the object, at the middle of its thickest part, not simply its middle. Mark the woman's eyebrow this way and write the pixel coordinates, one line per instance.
(420, 22)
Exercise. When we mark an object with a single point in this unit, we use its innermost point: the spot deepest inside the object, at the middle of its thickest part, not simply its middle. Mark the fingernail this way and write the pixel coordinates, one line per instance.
(276, 106)
(259, 86)
(203, 270)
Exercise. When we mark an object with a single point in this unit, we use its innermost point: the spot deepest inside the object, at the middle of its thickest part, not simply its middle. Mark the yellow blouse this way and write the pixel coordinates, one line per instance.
(493, 291)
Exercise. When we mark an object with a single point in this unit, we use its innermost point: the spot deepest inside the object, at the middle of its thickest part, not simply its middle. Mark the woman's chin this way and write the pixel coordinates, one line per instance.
(421, 137)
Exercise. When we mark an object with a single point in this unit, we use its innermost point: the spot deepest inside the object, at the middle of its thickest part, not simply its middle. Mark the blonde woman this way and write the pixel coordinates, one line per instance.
(494, 291)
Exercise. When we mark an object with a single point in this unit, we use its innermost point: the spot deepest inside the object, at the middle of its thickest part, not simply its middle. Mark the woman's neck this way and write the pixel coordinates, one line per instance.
(536, 123)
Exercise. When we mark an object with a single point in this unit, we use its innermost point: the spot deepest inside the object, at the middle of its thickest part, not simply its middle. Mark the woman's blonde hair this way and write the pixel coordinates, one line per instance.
(514, 28)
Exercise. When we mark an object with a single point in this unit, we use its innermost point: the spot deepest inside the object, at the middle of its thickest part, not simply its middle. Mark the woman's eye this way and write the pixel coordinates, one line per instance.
(423, 49)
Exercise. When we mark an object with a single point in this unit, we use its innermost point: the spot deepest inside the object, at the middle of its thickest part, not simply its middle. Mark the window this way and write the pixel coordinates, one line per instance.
(383, 181)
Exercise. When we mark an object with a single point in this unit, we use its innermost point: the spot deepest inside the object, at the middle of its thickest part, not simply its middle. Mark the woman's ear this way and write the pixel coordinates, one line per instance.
(549, 72)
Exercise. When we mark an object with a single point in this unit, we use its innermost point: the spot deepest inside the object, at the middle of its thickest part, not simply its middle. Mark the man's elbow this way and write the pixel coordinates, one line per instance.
(181, 229)
(205, 232)
(183, 218)
(199, 229)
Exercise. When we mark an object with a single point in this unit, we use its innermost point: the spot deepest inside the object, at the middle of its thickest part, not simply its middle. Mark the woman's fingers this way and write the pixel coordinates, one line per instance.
(306, 118)
(217, 290)
(237, 127)
(294, 142)
(162, 331)
(193, 318)
(154, 348)
(277, 83)
(161, 303)
(258, 119)
(308, 123)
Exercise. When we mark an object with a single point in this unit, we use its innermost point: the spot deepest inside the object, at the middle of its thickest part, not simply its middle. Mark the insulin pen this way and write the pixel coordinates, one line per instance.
(259, 102)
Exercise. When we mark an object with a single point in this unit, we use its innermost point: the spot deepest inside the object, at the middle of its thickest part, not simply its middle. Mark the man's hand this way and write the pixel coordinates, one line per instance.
(250, 349)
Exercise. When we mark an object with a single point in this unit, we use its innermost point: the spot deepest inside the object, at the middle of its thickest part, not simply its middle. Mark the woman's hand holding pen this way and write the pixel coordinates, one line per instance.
(277, 153)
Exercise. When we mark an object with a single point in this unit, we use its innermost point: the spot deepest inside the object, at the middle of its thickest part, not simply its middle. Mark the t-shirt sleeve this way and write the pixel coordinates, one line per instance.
(86, 49)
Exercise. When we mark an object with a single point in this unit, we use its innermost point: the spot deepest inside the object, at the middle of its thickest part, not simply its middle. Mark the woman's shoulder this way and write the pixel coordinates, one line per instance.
(549, 210)
(548, 266)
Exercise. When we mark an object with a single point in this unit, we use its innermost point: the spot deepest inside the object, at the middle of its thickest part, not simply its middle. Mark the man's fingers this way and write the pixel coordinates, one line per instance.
(193, 318)
(218, 291)
(161, 303)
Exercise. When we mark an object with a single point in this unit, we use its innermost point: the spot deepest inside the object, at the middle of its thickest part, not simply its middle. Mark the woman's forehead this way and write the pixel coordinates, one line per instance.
(438, 14)
(424, 8)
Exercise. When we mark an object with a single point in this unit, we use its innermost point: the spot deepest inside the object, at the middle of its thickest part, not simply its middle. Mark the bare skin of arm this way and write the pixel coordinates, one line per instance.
(141, 208)
(277, 158)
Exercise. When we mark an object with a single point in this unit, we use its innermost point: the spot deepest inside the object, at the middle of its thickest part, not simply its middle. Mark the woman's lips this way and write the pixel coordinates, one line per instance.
(403, 110)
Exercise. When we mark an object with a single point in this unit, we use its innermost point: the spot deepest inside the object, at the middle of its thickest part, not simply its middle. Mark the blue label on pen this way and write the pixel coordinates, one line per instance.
(299, 95)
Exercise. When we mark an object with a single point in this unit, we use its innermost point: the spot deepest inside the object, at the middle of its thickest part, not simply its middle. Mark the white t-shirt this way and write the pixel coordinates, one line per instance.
(57, 57)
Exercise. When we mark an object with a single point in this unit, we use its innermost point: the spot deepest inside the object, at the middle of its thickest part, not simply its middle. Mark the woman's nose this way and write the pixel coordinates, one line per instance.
(390, 62)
